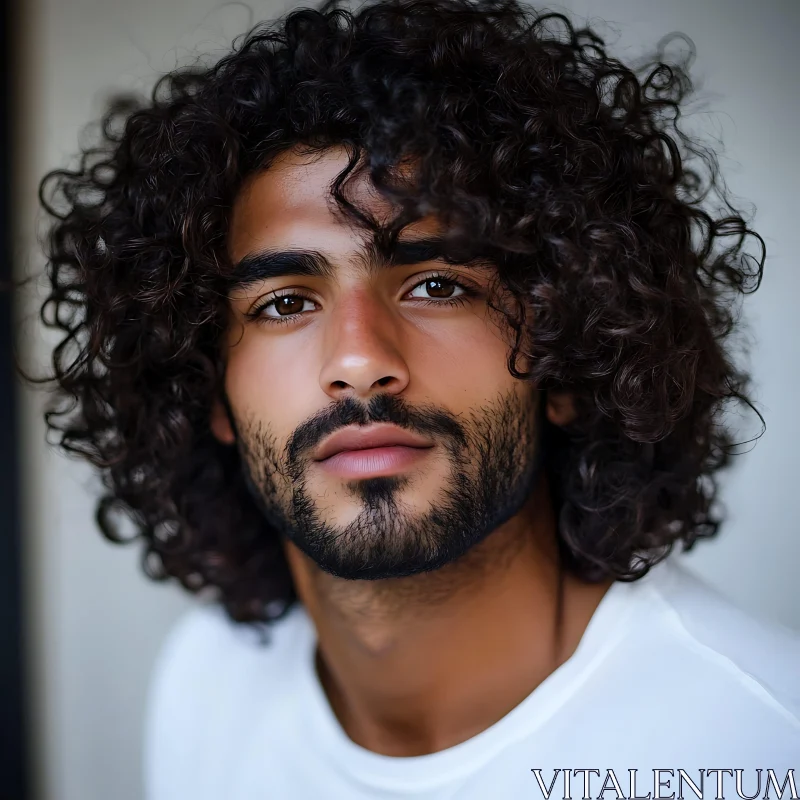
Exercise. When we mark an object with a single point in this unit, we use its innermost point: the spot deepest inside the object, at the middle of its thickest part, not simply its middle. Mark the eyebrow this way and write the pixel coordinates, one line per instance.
(266, 264)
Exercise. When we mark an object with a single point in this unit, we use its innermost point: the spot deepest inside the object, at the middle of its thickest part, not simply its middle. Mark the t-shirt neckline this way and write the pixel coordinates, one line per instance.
(410, 773)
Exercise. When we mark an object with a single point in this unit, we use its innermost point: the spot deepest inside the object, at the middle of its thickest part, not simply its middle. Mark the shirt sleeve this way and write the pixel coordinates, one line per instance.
(171, 726)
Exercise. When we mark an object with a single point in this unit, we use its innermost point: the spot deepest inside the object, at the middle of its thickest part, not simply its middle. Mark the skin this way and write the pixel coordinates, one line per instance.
(410, 665)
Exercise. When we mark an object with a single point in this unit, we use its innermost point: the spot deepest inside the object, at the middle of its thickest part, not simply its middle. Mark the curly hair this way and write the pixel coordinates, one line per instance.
(533, 146)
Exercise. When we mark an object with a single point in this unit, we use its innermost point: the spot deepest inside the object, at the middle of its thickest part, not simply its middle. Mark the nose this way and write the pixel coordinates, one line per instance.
(363, 353)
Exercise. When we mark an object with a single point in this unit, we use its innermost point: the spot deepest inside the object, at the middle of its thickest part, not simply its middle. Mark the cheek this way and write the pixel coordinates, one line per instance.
(463, 365)
(271, 383)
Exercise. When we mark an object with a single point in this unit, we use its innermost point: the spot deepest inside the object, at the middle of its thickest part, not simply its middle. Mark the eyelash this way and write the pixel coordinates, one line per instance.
(469, 292)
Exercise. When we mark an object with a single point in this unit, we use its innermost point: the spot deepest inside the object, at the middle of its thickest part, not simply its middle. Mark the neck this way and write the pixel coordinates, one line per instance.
(418, 664)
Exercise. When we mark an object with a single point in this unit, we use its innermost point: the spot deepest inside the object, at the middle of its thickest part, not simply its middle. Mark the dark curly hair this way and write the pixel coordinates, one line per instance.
(532, 145)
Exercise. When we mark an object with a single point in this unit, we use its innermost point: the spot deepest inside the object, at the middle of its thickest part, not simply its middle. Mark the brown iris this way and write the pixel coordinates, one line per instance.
(289, 304)
(434, 285)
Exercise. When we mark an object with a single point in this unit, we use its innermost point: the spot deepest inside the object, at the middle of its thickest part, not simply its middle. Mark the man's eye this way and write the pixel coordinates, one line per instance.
(284, 308)
(438, 287)
(286, 305)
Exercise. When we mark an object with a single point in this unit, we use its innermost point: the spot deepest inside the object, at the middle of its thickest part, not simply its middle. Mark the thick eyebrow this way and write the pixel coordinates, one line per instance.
(417, 251)
(267, 264)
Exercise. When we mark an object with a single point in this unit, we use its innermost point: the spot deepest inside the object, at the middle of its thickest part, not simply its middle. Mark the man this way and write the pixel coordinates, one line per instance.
(403, 333)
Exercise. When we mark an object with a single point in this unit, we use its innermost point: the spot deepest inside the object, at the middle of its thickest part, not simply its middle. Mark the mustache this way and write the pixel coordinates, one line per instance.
(425, 420)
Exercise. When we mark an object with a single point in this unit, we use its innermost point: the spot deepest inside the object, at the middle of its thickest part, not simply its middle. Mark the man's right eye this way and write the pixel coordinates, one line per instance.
(281, 308)
(287, 304)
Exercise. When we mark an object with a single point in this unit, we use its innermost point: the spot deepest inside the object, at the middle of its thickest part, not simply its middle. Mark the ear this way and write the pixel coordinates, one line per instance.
(220, 423)
(560, 408)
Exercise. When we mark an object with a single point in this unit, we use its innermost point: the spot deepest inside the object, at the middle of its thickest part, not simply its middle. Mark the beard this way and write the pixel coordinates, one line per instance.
(495, 462)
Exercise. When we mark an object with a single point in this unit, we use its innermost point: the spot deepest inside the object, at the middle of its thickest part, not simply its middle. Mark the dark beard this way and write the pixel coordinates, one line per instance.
(495, 462)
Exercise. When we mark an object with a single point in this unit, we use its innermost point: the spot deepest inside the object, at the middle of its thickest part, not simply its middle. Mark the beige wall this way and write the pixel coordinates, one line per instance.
(95, 622)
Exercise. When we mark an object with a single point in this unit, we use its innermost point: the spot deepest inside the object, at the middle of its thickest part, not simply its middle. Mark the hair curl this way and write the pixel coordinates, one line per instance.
(532, 144)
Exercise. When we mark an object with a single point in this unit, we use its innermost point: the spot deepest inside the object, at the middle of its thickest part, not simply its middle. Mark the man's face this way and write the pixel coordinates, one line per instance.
(408, 353)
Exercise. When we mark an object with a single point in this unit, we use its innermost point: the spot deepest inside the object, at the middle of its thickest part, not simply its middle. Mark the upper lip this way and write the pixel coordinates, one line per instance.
(364, 438)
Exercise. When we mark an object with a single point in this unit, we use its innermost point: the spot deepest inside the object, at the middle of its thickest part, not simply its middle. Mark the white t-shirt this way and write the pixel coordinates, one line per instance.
(668, 676)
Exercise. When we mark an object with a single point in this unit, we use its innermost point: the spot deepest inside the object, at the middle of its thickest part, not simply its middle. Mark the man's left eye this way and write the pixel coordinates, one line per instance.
(438, 287)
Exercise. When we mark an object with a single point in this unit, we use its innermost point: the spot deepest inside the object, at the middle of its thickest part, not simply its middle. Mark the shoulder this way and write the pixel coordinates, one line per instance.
(210, 672)
(755, 656)
(205, 641)
(205, 644)
(206, 628)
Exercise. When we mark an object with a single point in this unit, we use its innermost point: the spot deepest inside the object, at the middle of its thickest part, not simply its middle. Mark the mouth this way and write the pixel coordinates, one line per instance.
(372, 451)
(374, 462)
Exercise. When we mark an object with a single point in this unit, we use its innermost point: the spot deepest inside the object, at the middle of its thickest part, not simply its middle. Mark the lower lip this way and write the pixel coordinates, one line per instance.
(373, 462)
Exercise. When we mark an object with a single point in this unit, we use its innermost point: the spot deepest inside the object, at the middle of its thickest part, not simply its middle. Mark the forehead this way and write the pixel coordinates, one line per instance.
(290, 205)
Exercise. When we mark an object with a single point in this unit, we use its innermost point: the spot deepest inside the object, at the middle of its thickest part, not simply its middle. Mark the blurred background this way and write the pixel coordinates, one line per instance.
(80, 626)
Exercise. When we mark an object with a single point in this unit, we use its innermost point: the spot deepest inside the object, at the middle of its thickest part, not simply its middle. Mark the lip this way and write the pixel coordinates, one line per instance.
(368, 438)
(372, 462)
